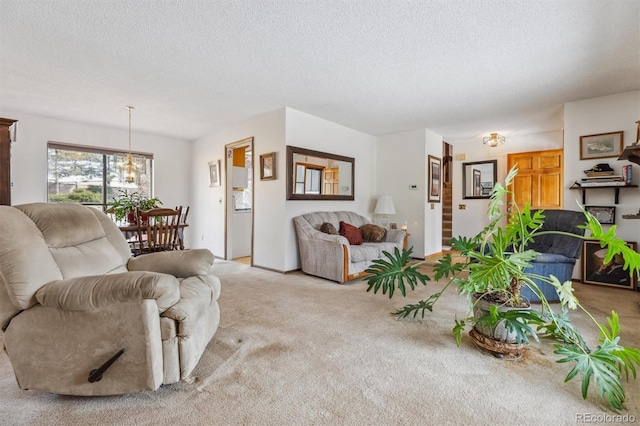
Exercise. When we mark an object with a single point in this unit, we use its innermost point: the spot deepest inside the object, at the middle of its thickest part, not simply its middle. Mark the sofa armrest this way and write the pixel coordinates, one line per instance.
(395, 236)
(325, 256)
(179, 263)
(95, 292)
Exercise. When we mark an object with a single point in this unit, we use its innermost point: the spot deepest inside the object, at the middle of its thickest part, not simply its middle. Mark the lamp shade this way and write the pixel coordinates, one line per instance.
(385, 205)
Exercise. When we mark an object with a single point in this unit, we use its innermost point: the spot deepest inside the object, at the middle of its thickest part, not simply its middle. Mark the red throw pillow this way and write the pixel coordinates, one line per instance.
(351, 233)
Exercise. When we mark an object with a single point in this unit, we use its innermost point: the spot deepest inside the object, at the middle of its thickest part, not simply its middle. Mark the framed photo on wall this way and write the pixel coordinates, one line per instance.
(435, 179)
(606, 215)
(268, 166)
(602, 145)
(214, 173)
(595, 271)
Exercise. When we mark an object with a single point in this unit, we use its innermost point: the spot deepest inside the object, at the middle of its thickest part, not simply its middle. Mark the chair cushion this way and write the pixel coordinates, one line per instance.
(365, 252)
(351, 233)
(371, 251)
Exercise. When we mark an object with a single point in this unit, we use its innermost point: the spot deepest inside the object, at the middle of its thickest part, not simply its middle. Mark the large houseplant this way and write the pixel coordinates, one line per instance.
(125, 204)
(494, 269)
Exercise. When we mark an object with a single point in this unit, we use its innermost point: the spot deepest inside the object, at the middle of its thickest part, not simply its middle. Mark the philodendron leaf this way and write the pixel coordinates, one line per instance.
(565, 292)
(604, 365)
(421, 306)
(601, 365)
(559, 326)
(445, 267)
(628, 356)
(458, 329)
(394, 271)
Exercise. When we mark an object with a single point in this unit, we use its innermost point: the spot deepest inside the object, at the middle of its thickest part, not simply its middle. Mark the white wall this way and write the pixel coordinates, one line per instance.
(602, 115)
(306, 131)
(207, 222)
(433, 211)
(401, 163)
(470, 221)
(29, 156)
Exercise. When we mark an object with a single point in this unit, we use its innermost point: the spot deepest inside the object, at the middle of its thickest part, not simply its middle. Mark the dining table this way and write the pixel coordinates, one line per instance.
(130, 232)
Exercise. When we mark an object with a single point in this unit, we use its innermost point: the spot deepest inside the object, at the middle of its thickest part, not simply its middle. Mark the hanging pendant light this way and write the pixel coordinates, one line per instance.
(129, 165)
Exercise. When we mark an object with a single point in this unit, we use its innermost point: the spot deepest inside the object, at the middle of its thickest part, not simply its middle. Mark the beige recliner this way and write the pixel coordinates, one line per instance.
(81, 316)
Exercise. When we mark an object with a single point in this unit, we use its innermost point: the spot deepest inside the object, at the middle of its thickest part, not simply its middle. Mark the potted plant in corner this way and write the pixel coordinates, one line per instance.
(495, 267)
(125, 205)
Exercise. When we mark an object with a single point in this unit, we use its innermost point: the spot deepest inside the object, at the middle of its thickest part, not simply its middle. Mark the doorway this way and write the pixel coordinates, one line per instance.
(239, 186)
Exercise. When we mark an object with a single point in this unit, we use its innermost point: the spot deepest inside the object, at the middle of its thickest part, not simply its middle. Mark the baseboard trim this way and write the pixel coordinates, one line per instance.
(271, 269)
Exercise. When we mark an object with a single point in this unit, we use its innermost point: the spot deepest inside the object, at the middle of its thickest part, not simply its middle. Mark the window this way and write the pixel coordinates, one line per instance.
(93, 176)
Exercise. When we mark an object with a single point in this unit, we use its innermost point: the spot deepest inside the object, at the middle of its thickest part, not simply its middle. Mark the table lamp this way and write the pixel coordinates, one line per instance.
(385, 207)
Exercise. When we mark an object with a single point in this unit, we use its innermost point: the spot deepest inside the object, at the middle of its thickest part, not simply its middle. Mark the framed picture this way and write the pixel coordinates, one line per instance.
(595, 271)
(435, 177)
(393, 225)
(602, 145)
(214, 173)
(268, 166)
(605, 215)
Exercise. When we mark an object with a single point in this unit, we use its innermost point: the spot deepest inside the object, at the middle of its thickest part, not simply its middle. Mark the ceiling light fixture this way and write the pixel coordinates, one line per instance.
(129, 164)
(493, 140)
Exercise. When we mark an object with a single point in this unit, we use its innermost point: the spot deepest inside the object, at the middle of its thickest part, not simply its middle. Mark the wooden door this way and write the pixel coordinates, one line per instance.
(539, 179)
(330, 179)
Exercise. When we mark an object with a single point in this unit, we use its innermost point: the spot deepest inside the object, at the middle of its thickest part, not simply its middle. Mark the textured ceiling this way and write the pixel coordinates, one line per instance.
(460, 68)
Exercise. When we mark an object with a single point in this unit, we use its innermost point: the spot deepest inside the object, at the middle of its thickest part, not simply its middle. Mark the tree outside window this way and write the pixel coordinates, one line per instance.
(93, 176)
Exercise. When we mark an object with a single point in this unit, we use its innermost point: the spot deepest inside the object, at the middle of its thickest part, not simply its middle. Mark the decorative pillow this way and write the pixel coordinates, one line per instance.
(328, 228)
(373, 233)
(351, 233)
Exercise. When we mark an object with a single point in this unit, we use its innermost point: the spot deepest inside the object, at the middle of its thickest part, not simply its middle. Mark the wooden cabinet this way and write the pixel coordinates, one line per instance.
(5, 161)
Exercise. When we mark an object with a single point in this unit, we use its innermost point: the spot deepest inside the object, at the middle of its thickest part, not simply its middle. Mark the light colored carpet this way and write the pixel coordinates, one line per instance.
(299, 350)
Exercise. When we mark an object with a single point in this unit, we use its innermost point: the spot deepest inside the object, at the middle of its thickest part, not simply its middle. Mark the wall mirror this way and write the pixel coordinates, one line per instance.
(478, 178)
(316, 175)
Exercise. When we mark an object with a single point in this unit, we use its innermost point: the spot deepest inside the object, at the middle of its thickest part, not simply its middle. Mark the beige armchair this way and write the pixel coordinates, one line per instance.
(82, 317)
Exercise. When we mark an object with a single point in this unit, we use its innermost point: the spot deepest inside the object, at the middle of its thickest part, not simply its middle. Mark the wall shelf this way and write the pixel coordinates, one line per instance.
(631, 216)
(617, 190)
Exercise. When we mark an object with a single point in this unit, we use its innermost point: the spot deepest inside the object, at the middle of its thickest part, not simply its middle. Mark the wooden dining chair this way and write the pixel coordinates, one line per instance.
(158, 229)
(183, 223)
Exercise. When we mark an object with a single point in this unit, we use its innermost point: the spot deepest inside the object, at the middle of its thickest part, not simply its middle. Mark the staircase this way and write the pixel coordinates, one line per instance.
(447, 213)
